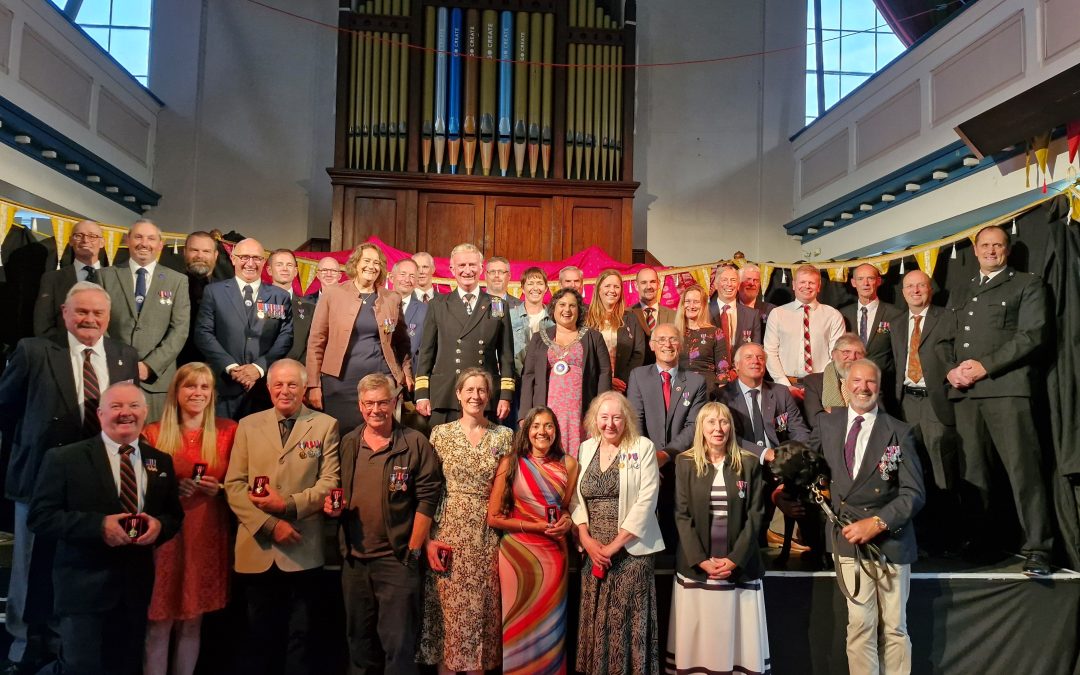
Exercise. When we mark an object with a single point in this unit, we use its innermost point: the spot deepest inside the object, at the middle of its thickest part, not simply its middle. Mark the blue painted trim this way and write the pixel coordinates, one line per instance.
(964, 221)
(105, 53)
(17, 121)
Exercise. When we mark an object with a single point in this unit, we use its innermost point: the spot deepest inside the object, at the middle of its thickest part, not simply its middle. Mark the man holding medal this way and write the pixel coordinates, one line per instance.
(463, 329)
(243, 326)
(150, 311)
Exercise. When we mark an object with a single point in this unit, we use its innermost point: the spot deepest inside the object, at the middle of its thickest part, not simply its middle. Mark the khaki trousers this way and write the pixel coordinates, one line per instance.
(877, 637)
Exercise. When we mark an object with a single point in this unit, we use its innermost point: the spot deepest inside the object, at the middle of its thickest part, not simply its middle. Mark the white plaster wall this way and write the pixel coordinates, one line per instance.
(247, 134)
(711, 147)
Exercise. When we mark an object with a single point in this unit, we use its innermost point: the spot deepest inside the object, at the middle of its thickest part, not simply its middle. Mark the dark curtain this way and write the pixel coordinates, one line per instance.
(1048, 245)
(912, 19)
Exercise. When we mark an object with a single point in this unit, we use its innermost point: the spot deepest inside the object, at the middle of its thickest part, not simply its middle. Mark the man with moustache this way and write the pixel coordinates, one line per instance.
(280, 542)
(800, 334)
(465, 328)
(86, 243)
(825, 391)
(243, 326)
(648, 309)
(86, 497)
(740, 324)
(870, 318)
(750, 291)
(283, 272)
(52, 387)
(200, 261)
(1000, 324)
(877, 487)
(391, 483)
(425, 269)
(150, 311)
(922, 391)
(328, 272)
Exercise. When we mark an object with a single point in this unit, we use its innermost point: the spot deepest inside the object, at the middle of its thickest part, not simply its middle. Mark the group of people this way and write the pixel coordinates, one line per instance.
(472, 447)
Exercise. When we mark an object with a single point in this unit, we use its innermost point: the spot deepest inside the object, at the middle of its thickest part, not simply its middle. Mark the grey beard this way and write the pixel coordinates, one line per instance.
(200, 269)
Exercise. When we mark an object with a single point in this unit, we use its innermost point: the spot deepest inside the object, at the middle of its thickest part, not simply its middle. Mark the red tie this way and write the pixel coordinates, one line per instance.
(806, 340)
(666, 386)
(91, 396)
(725, 326)
(650, 320)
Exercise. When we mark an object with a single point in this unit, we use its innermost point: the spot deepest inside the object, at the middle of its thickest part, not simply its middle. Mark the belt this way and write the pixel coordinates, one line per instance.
(917, 392)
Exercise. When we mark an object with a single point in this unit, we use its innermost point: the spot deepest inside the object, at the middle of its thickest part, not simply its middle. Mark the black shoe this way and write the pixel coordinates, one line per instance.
(1037, 564)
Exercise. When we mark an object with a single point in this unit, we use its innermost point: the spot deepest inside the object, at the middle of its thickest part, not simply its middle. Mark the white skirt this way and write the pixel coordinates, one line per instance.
(717, 627)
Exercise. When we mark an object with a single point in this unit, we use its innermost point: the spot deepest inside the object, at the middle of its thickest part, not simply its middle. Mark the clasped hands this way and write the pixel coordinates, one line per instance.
(717, 568)
(246, 375)
(115, 534)
(600, 554)
(966, 374)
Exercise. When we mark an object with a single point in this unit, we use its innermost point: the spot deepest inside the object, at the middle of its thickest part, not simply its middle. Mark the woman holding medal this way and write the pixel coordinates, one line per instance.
(529, 504)
(192, 569)
(566, 366)
(719, 513)
(614, 510)
(625, 338)
(462, 621)
(706, 350)
(356, 330)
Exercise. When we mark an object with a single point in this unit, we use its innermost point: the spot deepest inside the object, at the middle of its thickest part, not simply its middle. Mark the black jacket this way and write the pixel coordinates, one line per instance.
(410, 452)
(596, 371)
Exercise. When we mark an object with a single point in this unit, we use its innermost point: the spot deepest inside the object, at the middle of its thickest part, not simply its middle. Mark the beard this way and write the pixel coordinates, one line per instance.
(199, 268)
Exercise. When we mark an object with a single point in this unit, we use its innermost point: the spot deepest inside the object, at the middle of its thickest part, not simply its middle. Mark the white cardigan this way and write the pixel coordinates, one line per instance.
(639, 484)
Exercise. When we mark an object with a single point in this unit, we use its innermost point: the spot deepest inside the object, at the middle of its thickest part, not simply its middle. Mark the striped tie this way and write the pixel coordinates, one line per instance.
(129, 489)
(91, 395)
(809, 360)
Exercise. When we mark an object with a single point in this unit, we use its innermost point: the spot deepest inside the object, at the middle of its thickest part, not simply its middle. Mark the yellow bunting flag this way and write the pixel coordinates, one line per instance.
(61, 228)
(838, 274)
(112, 243)
(766, 275)
(701, 276)
(927, 260)
(7, 215)
(882, 266)
(307, 270)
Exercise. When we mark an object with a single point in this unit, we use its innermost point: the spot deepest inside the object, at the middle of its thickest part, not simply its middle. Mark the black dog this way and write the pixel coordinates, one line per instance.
(799, 468)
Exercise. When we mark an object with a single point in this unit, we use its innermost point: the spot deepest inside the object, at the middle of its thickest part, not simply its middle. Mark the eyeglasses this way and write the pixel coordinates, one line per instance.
(249, 258)
(371, 405)
(666, 340)
(86, 237)
(327, 270)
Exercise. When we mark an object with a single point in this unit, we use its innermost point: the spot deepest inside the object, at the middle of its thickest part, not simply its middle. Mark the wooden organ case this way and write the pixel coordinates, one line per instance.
(505, 123)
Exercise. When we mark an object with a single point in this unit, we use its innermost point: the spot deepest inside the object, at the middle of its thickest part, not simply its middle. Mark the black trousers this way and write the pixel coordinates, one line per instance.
(1006, 426)
(102, 643)
(281, 608)
(382, 615)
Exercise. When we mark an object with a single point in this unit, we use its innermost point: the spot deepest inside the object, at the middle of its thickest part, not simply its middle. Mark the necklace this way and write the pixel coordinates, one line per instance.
(561, 367)
(364, 297)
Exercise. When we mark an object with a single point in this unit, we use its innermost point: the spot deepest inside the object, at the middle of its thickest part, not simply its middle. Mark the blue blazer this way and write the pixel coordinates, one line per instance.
(227, 333)
(415, 315)
(671, 430)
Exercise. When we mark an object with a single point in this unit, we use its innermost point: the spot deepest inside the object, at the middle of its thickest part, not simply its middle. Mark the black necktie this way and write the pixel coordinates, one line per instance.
(91, 273)
(756, 418)
(985, 280)
(849, 445)
(91, 395)
(468, 303)
(140, 288)
(285, 427)
(249, 301)
(862, 326)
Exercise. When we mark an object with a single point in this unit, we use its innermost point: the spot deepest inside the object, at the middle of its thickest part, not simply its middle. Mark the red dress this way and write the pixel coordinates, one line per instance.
(192, 568)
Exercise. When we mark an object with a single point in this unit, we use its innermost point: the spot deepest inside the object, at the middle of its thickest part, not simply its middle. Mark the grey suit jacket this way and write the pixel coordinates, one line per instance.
(781, 415)
(671, 430)
(936, 326)
(895, 500)
(160, 330)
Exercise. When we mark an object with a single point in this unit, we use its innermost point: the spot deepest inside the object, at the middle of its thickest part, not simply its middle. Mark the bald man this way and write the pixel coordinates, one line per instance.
(244, 326)
(328, 273)
(150, 311)
(86, 242)
(870, 318)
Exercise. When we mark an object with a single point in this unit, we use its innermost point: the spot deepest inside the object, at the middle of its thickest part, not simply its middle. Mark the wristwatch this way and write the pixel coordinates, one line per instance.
(882, 525)
(414, 556)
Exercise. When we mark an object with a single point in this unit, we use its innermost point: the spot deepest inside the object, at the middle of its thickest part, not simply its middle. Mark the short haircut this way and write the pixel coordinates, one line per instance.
(281, 251)
(85, 286)
(119, 385)
(376, 381)
(557, 295)
(398, 264)
(673, 327)
(806, 269)
(845, 340)
(746, 346)
(498, 259)
(570, 268)
(869, 364)
(532, 272)
(144, 221)
(466, 248)
(281, 363)
(748, 267)
(199, 234)
(999, 228)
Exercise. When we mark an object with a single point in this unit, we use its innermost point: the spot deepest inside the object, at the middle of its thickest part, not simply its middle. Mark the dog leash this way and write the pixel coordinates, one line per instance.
(875, 564)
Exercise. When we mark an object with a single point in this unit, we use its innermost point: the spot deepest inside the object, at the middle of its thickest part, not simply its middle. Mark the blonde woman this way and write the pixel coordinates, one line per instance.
(614, 511)
(357, 330)
(719, 513)
(705, 349)
(625, 338)
(192, 569)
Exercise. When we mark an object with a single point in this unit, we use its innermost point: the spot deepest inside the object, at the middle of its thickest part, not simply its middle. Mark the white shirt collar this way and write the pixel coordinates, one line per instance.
(254, 284)
(654, 307)
(76, 347)
(871, 307)
(733, 303)
(421, 294)
(674, 370)
(149, 267)
(746, 389)
(113, 447)
(991, 274)
(868, 417)
(797, 305)
(475, 293)
(921, 313)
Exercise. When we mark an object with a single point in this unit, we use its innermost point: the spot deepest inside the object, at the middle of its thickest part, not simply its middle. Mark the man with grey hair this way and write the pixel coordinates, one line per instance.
(750, 290)
(465, 328)
(825, 391)
(425, 269)
(284, 463)
(150, 311)
(52, 386)
(87, 240)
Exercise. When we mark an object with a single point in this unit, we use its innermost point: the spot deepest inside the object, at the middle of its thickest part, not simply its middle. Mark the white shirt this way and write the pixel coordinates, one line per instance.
(733, 314)
(784, 339)
(864, 434)
(135, 267)
(112, 449)
(80, 269)
(760, 389)
(910, 330)
(97, 361)
(405, 300)
(474, 292)
(871, 312)
(429, 294)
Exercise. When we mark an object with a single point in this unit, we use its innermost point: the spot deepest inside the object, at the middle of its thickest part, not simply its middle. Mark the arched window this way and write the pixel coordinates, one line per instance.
(120, 27)
(852, 43)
